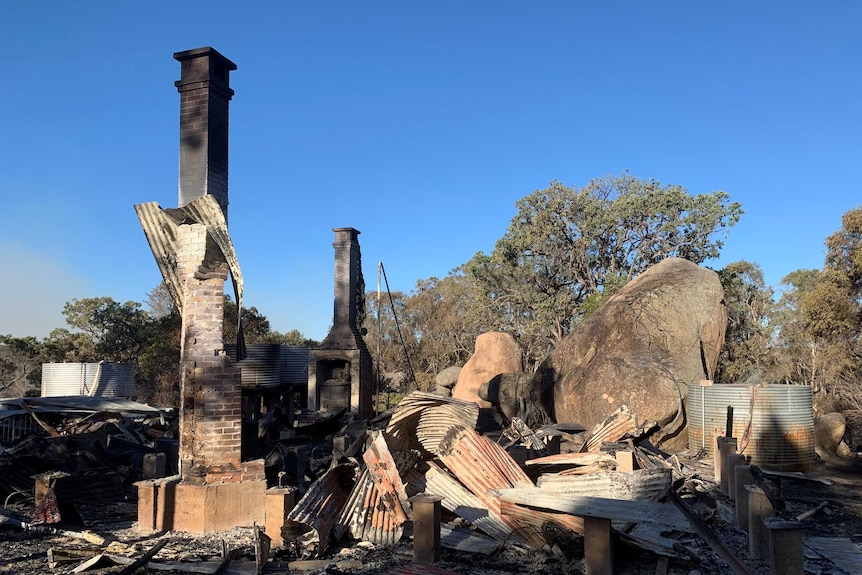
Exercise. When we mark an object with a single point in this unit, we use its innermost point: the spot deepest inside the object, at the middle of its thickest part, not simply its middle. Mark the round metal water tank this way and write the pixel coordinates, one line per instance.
(773, 424)
(262, 366)
(110, 379)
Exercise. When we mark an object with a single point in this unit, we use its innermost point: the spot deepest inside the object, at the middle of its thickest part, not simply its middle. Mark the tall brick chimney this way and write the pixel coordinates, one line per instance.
(340, 370)
(217, 489)
(205, 94)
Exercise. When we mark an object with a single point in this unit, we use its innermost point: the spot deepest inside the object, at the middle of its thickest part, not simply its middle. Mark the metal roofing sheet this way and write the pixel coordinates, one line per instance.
(321, 505)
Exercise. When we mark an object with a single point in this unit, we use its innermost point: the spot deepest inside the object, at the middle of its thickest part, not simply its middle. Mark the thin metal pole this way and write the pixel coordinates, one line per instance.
(377, 375)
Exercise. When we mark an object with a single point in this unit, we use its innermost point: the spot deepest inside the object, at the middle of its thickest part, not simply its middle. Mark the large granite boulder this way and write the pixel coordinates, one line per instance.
(829, 430)
(494, 353)
(446, 380)
(644, 347)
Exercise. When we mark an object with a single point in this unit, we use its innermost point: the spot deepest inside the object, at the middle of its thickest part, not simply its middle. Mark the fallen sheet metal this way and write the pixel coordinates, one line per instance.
(384, 473)
(321, 506)
(664, 514)
(421, 421)
(532, 525)
(621, 423)
(461, 539)
(461, 501)
(365, 515)
(483, 466)
(638, 485)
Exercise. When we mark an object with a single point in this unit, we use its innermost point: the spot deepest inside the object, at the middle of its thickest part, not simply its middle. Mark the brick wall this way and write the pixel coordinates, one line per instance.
(211, 409)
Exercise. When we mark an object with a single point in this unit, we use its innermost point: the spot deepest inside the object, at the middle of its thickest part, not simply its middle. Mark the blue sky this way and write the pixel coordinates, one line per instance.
(418, 123)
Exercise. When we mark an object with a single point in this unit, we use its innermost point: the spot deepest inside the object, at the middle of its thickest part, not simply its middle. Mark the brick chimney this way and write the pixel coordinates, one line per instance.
(205, 94)
(340, 370)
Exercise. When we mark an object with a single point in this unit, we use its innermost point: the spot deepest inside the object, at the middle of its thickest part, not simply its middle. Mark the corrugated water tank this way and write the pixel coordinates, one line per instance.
(773, 424)
(110, 379)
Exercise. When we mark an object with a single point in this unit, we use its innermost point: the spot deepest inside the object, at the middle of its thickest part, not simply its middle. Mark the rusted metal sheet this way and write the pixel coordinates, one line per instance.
(462, 502)
(421, 420)
(531, 525)
(572, 459)
(638, 485)
(370, 515)
(618, 425)
(321, 505)
(365, 516)
(160, 229)
(482, 465)
(384, 473)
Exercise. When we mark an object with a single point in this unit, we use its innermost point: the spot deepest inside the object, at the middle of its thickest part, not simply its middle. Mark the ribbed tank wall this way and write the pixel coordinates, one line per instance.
(115, 379)
(111, 379)
(262, 366)
(773, 424)
(59, 379)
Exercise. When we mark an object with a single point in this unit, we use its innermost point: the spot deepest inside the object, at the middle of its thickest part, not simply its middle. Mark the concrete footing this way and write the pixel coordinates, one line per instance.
(742, 479)
(598, 547)
(759, 508)
(726, 446)
(785, 546)
(427, 515)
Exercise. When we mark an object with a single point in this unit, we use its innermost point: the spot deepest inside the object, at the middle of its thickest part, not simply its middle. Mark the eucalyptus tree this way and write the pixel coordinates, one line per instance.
(567, 246)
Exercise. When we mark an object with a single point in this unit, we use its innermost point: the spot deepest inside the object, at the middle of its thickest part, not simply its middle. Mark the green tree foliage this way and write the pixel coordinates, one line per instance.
(255, 326)
(567, 245)
(747, 353)
(21, 361)
(116, 331)
(821, 319)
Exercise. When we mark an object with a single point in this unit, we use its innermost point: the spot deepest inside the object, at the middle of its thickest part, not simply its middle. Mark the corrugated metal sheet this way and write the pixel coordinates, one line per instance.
(482, 465)
(294, 365)
(205, 210)
(160, 229)
(638, 485)
(531, 524)
(462, 502)
(773, 424)
(368, 514)
(366, 517)
(384, 472)
(161, 233)
(461, 539)
(421, 420)
(572, 459)
(262, 365)
(321, 505)
(105, 379)
(619, 424)
(626, 511)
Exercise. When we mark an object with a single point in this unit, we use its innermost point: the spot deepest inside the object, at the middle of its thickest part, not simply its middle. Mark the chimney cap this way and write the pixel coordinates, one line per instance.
(205, 51)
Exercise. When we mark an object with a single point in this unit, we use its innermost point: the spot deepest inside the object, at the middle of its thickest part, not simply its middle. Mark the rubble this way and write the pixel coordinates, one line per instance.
(503, 491)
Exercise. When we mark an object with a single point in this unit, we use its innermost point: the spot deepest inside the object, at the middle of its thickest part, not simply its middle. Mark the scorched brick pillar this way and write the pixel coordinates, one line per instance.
(211, 410)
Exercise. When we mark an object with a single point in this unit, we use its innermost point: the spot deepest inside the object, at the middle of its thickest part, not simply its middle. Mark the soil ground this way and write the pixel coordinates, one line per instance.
(27, 552)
